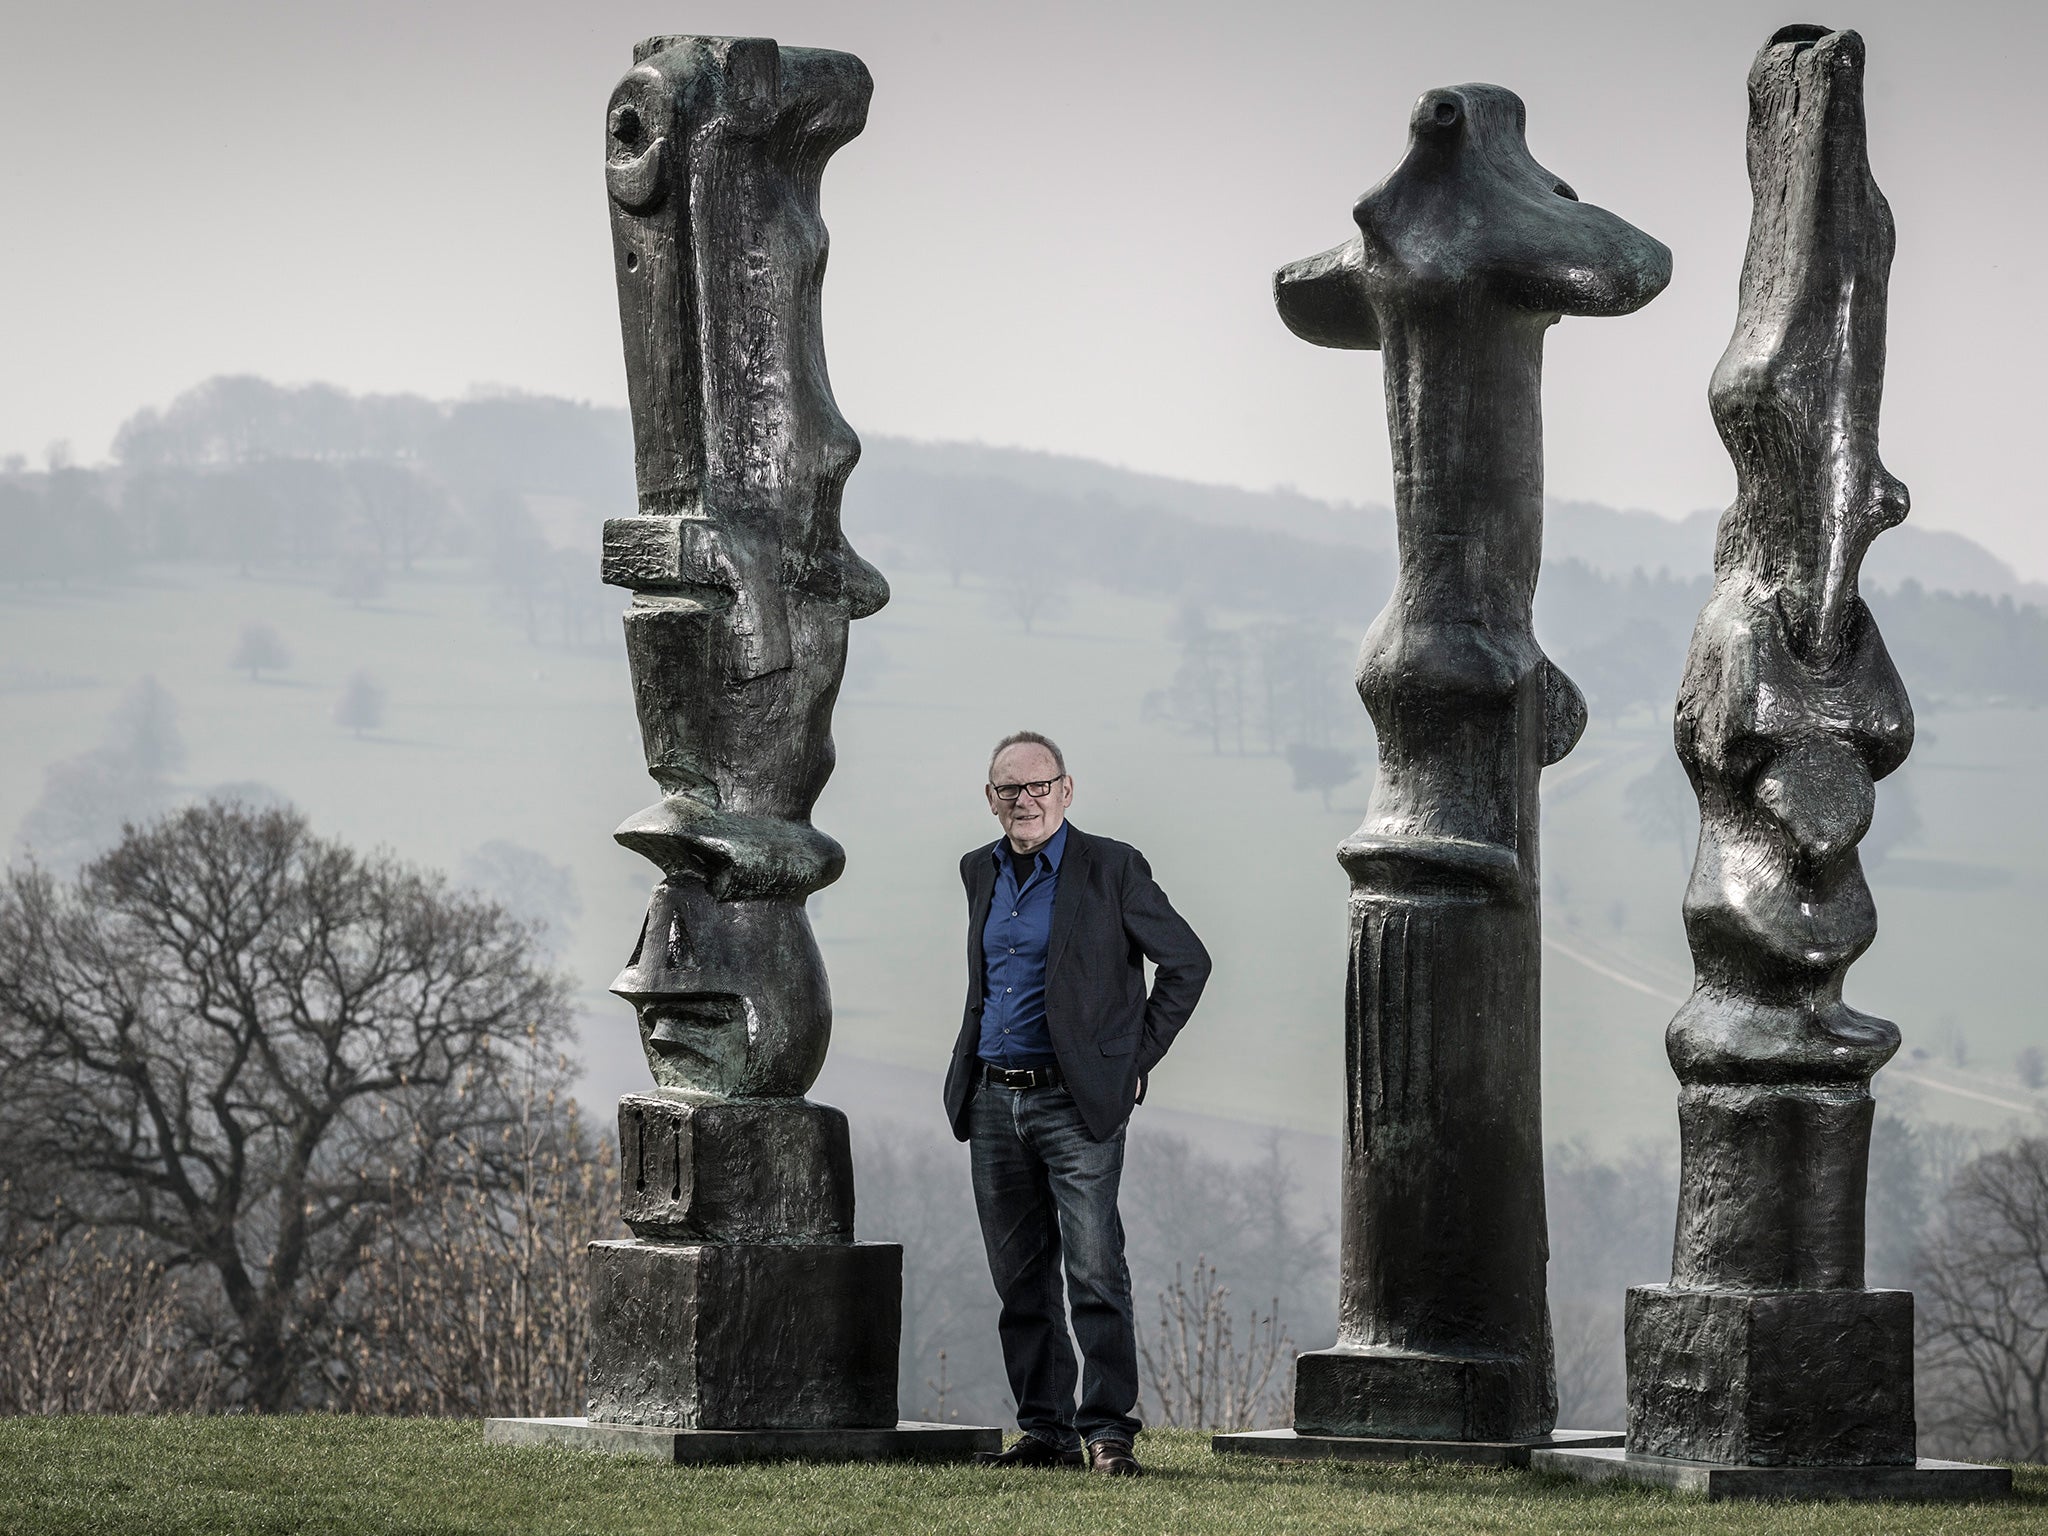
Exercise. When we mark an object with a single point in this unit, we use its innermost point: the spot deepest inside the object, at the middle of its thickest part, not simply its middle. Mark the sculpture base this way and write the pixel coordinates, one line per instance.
(1771, 1378)
(745, 1336)
(734, 1171)
(1287, 1445)
(905, 1441)
(1383, 1394)
(1925, 1481)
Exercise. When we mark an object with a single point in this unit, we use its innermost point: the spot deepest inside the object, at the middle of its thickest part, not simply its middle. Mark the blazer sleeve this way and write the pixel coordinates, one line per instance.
(1165, 938)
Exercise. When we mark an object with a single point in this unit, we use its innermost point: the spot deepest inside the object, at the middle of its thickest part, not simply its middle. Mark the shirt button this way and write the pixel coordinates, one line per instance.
(1009, 989)
(1013, 914)
(1013, 951)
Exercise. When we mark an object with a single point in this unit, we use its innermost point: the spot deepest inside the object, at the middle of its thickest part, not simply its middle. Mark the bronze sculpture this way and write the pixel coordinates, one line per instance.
(1464, 258)
(1765, 1368)
(742, 1318)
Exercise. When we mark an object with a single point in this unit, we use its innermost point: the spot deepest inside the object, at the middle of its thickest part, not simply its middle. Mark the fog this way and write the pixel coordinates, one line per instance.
(1056, 232)
(1049, 318)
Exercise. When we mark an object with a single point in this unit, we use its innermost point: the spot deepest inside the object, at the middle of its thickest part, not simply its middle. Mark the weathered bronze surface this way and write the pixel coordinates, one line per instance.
(1465, 256)
(1765, 1350)
(744, 1302)
(743, 582)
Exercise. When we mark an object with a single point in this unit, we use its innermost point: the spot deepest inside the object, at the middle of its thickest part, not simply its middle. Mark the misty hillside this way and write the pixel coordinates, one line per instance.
(386, 610)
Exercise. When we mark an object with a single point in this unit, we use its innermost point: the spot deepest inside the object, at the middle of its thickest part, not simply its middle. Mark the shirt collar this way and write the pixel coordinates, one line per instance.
(1052, 852)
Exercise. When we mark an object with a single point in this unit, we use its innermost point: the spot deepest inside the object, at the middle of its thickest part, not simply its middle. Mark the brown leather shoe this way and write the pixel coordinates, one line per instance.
(1029, 1451)
(1113, 1458)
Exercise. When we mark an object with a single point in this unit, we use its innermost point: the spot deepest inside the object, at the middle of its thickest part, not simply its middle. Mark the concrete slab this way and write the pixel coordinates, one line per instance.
(908, 1441)
(1286, 1445)
(1927, 1481)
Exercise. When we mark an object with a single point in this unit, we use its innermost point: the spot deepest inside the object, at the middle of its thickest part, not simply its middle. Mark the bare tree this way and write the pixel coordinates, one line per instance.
(1984, 1309)
(1033, 590)
(1659, 804)
(479, 1302)
(402, 510)
(1321, 768)
(252, 1047)
(91, 1323)
(1208, 687)
(1586, 1332)
(528, 884)
(1200, 1376)
(2031, 1067)
(88, 798)
(915, 1190)
(1302, 683)
(260, 649)
(361, 578)
(361, 706)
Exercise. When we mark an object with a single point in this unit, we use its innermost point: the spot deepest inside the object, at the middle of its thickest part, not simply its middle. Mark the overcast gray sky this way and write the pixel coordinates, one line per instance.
(1057, 231)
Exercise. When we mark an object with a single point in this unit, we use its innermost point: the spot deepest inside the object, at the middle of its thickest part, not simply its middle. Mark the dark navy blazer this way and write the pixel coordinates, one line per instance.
(1108, 917)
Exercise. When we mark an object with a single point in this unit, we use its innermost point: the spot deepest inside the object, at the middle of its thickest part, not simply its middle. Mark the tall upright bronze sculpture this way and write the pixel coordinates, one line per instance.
(742, 1318)
(1765, 1367)
(1465, 256)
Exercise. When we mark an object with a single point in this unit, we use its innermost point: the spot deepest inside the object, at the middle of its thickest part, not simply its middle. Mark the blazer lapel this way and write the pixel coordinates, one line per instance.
(1066, 900)
(977, 919)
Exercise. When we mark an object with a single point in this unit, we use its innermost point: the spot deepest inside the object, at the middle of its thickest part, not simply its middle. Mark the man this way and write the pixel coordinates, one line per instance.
(1054, 1049)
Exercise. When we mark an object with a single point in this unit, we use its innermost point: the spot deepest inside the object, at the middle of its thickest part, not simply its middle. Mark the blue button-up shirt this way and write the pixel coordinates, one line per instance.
(1014, 942)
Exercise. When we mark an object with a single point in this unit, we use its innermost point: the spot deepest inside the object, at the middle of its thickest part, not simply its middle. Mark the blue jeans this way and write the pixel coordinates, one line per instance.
(1046, 1192)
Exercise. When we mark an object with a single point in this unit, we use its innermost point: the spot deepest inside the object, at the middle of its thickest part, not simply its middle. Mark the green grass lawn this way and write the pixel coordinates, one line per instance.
(135, 1476)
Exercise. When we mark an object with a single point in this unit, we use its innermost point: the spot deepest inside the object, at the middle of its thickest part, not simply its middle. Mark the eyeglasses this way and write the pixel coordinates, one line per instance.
(1038, 789)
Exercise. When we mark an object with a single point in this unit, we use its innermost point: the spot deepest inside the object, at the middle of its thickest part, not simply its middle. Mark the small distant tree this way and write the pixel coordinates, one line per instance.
(1034, 591)
(87, 799)
(2032, 1067)
(261, 649)
(362, 705)
(144, 730)
(1208, 686)
(1660, 805)
(1200, 1375)
(1895, 823)
(527, 884)
(1321, 768)
(361, 580)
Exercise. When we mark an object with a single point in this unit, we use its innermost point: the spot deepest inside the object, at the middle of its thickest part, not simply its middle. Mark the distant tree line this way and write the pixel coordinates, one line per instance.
(1241, 592)
(354, 489)
(249, 473)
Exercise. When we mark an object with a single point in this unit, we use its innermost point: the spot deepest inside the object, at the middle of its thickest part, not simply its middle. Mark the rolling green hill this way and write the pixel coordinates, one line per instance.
(1180, 642)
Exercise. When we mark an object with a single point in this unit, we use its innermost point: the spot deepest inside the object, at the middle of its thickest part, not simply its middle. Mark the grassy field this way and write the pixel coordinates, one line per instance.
(142, 1477)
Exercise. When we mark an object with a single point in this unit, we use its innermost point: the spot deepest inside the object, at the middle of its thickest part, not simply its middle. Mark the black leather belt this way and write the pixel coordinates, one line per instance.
(1020, 1077)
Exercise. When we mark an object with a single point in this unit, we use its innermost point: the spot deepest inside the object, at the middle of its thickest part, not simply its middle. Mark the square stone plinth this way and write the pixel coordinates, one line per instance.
(747, 1336)
(907, 1440)
(1377, 1394)
(1287, 1445)
(734, 1170)
(1925, 1481)
(1771, 1378)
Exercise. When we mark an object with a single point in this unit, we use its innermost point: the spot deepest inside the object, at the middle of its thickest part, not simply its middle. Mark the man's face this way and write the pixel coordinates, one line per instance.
(1029, 819)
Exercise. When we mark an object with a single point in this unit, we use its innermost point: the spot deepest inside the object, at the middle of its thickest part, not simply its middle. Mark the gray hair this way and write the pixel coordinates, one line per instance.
(1028, 738)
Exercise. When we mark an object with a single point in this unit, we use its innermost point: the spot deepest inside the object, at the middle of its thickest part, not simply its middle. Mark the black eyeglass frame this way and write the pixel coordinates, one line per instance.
(1038, 789)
